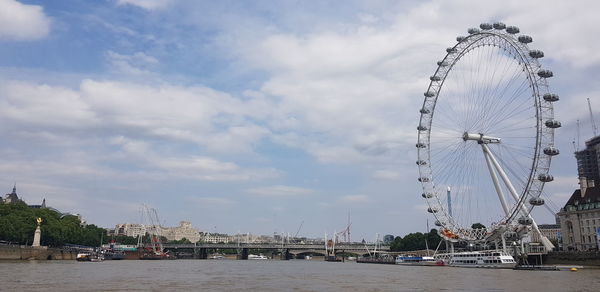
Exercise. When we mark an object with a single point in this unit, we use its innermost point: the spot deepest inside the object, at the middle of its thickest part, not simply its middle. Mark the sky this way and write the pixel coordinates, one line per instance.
(254, 116)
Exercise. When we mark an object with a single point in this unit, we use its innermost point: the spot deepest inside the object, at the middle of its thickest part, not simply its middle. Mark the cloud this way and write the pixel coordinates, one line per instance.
(386, 175)
(355, 199)
(279, 191)
(211, 201)
(146, 4)
(136, 64)
(22, 22)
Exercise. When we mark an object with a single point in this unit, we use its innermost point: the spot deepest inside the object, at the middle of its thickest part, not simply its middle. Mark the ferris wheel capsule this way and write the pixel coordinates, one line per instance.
(536, 54)
(473, 30)
(545, 177)
(545, 73)
(525, 221)
(551, 151)
(486, 26)
(551, 97)
(536, 201)
(432, 210)
(525, 39)
(512, 29)
(499, 25)
(553, 124)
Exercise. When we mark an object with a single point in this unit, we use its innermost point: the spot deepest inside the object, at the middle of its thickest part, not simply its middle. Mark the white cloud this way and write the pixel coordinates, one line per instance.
(386, 175)
(279, 191)
(211, 201)
(146, 4)
(22, 22)
(136, 64)
(355, 199)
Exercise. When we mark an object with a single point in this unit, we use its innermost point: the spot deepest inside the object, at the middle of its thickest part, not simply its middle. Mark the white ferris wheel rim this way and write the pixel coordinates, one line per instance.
(506, 39)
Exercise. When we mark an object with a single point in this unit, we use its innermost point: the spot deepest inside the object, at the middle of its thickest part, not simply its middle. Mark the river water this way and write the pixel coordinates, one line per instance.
(276, 275)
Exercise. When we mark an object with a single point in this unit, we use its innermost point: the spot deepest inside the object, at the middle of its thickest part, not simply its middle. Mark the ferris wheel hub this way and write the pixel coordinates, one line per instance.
(481, 138)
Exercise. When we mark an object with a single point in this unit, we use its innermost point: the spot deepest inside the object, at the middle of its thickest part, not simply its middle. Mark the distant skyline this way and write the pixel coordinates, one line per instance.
(254, 116)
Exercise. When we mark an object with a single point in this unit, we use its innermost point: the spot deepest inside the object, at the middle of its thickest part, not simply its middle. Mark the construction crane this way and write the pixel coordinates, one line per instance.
(298, 231)
(594, 128)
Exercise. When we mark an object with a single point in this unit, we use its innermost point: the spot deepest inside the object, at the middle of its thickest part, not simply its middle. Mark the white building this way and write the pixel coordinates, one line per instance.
(184, 230)
(215, 238)
(130, 229)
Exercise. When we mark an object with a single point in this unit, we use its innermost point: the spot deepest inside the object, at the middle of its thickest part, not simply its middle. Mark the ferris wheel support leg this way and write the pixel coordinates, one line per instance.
(503, 242)
(495, 180)
(513, 192)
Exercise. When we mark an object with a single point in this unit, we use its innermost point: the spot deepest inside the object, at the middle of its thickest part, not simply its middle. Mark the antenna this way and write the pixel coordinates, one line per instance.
(594, 128)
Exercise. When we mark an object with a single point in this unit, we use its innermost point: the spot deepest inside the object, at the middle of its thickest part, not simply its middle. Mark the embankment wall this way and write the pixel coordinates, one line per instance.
(23, 252)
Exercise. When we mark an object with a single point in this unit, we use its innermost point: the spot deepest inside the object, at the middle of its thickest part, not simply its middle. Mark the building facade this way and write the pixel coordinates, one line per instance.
(580, 220)
(215, 238)
(550, 231)
(580, 217)
(11, 197)
(588, 161)
(130, 229)
(184, 230)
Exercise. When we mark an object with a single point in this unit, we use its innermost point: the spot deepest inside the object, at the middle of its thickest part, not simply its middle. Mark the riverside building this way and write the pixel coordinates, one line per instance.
(580, 217)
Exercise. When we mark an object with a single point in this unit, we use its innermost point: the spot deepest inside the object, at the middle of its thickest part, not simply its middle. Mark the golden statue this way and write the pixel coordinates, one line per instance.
(39, 220)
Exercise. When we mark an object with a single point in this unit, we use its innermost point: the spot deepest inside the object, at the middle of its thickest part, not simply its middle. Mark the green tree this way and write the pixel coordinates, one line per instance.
(18, 223)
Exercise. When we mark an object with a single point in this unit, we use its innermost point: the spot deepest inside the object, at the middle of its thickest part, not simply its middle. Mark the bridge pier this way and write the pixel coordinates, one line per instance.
(286, 255)
(200, 253)
(242, 254)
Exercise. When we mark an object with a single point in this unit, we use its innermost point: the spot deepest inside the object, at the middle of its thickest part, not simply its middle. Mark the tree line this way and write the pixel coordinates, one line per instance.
(18, 224)
(416, 241)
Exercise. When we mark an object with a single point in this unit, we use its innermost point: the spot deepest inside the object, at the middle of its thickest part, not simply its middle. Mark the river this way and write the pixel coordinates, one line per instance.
(276, 275)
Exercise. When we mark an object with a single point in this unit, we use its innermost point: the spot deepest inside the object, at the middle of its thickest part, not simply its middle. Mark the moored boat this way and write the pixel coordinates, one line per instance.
(497, 259)
(415, 260)
(257, 257)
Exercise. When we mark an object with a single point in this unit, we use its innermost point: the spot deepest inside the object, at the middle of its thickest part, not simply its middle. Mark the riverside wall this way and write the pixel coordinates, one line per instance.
(23, 252)
(585, 258)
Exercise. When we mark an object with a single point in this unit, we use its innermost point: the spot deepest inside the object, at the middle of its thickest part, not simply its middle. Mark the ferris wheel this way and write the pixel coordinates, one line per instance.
(486, 136)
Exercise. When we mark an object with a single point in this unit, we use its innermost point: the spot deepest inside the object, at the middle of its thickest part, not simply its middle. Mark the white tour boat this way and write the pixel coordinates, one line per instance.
(477, 259)
(415, 260)
(257, 257)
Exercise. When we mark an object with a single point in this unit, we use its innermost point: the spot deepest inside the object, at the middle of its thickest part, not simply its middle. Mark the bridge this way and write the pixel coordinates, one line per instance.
(287, 251)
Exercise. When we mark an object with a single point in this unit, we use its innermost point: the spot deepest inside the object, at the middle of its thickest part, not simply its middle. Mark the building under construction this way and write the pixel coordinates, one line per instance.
(588, 161)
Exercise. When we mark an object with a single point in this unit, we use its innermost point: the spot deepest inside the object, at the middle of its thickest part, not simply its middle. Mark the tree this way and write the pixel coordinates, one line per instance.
(18, 223)
(416, 241)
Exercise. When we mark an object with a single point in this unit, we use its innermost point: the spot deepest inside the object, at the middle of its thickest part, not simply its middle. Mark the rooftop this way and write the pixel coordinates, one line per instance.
(591, 200)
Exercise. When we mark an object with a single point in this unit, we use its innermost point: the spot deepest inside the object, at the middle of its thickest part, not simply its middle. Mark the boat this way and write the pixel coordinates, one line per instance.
(408, 260)
(497, 259)
(89, 257)
(257, 257)
(83, 257)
